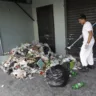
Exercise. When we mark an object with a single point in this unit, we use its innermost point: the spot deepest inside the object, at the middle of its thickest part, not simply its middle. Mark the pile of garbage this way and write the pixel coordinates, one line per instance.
(28, 59)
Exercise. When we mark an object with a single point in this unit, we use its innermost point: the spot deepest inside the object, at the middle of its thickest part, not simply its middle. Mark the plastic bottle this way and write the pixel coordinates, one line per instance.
(73, 73)
(78, 85)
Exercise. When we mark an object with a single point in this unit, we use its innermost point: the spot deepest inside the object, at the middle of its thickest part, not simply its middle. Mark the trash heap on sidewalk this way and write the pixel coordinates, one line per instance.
(28, 59)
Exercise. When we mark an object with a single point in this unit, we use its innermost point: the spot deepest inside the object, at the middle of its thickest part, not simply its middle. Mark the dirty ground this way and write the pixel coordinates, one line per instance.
(38, 87)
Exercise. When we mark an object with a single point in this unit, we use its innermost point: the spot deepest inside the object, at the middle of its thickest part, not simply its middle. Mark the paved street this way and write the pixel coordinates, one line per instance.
(38, 87)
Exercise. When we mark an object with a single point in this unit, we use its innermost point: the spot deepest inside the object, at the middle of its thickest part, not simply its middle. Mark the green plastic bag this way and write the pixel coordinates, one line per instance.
(72, 63)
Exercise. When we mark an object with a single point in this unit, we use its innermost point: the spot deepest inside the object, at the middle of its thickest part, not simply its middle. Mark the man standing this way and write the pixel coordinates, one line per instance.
(86, 53)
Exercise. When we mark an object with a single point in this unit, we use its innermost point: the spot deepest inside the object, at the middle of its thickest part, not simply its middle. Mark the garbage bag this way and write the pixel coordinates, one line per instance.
(46, 50)
(57, 76)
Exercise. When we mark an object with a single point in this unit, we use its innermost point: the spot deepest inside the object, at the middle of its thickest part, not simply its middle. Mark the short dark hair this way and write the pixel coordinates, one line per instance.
(82, 16)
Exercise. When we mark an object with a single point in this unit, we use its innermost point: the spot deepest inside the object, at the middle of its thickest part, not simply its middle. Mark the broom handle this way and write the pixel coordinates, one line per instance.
(81, 36)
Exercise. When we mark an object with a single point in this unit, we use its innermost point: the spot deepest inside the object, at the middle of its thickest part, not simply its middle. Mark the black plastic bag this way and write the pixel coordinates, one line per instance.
(57, 76)
(46, 50)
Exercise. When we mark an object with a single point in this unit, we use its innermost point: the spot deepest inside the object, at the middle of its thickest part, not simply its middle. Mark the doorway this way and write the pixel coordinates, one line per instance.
(45, 21)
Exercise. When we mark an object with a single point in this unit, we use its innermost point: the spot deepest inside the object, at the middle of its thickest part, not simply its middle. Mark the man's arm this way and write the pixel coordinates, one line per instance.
(90, 36)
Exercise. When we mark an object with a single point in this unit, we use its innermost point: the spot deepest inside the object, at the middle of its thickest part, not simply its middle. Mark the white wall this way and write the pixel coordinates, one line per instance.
(59, 22)
(15, 25)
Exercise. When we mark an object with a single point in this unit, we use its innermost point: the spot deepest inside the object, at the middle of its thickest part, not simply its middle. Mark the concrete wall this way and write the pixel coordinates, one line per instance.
(15, 25)
(59, 22)
(27, 8)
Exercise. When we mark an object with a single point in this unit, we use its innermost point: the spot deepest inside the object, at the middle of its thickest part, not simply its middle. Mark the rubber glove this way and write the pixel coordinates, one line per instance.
(81, 36)
(86, 46)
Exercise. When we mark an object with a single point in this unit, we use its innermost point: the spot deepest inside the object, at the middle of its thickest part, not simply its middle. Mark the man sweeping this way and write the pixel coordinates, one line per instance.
(86, 53)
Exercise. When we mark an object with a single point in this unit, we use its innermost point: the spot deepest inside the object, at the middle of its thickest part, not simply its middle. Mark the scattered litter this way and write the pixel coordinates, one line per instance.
(77, 66)
(35, 58)
(73, 73)
(78, 85)
(72, 63)
(41, 72)
(19, 74)
(2, 86)
(28, 59)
